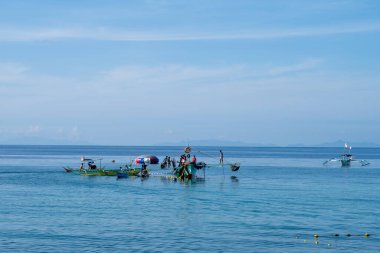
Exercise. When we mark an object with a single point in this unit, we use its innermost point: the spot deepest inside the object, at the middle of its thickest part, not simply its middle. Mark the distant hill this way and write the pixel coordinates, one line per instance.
(340, 143)
(217, 143)
(25, 140)
(221, 143)
(34, 140)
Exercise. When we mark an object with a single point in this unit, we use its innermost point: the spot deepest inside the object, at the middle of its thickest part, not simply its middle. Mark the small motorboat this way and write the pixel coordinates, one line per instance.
(235, 166)
(122, 174)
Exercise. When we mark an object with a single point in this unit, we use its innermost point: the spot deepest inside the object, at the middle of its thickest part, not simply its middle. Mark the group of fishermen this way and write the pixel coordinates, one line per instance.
(168, 162)
(91, 166)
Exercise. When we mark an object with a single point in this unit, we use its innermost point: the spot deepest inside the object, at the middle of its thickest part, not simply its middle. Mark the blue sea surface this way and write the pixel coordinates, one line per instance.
(276, 202)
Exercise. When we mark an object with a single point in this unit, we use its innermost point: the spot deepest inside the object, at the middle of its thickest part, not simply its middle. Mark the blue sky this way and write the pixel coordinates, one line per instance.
(147, 72)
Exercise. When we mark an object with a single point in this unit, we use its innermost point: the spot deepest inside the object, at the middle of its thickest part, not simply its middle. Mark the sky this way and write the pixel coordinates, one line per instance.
(108, 72)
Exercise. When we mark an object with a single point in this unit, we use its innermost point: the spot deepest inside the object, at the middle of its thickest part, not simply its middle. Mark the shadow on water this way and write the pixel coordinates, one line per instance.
(234, 179)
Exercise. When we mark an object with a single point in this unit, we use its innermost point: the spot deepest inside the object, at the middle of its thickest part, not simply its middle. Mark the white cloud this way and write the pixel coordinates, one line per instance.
(11, 72)
(131, 81)
(111, 34)
(173, 94)
(294, 68)
(169, 74)
(129, 91)
(181, 75)
(71, 133)
(32, 130)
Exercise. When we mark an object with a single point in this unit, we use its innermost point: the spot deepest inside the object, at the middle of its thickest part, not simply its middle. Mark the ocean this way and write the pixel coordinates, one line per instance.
(278, 200)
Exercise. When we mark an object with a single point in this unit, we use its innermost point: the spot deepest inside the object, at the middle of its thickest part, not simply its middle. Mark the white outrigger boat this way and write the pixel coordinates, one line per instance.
(346, 158)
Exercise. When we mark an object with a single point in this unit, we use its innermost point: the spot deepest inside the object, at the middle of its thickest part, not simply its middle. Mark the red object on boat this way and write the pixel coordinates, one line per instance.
(148, 159)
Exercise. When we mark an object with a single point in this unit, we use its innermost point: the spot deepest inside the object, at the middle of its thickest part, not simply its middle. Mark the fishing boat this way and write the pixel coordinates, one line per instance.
(346, 158)
(90, 162)
(124, 173)
(187, 170)
(235, 166)
(91, 169)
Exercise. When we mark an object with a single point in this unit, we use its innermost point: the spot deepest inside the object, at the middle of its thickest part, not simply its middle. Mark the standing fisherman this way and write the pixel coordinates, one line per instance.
(144, 171)
(221, 157)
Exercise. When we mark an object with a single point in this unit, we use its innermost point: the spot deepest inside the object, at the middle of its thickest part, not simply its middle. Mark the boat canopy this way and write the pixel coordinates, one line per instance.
(147, 159)
(84, 159)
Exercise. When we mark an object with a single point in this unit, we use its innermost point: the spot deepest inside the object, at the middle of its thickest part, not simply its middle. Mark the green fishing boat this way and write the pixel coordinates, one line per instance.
(110, 172)
(95, 172)
(187, 168)
(133, 172)
(186, 171)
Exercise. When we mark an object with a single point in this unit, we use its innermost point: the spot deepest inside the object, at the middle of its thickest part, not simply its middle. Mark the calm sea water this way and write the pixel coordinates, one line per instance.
(275, 203)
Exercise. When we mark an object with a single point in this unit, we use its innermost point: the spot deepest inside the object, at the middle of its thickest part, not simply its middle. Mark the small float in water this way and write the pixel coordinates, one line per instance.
(346, 158)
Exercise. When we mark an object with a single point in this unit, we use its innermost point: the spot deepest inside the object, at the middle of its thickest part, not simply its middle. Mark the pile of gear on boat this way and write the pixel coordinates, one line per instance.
(185, 170)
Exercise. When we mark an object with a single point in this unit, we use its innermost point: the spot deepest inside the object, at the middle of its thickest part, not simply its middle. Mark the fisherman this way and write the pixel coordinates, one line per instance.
(221, 157)
(91, 165)
(194, 159)
(144, 171)
(167, 162)
(173, 163)
(182, 160)
(163, 164)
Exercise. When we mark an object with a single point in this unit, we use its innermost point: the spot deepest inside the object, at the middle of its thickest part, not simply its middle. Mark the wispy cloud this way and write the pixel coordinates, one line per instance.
(169, 74)
(31, 130)
(110, 34)
(165, 75)
(305, 65)
(12, 76)
(125, 86)
(11, 72)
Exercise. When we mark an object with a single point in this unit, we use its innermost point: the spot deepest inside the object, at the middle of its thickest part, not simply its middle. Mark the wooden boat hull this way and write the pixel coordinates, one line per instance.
(122, 175)
(345, 163)
(98, 172)
(92, 173)
(108, 172)
(70, 170)
(186, 172)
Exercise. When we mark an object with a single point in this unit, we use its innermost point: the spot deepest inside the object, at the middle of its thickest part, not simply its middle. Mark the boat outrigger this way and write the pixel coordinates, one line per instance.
(346, 158)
